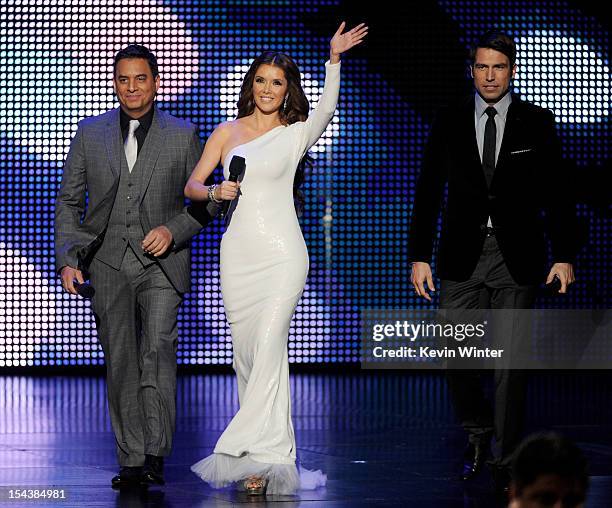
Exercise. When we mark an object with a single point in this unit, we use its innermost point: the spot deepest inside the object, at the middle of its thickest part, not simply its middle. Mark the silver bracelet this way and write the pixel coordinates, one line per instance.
(211, 194)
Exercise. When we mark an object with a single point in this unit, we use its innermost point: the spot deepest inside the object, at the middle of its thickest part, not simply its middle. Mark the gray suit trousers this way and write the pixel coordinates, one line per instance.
(136, 312)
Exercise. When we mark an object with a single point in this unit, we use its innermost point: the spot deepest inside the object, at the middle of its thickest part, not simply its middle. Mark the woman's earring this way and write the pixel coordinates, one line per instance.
(285, 103)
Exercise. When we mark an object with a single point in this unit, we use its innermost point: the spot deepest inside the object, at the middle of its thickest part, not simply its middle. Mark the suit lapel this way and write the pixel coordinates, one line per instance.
(512, 127)
(114, 145)
(147, 158)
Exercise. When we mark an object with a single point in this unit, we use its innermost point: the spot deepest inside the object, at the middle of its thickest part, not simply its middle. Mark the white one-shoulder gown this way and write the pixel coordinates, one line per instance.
(264, 263)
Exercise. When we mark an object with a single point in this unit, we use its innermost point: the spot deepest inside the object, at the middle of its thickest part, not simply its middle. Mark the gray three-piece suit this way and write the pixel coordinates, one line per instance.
(137, 296)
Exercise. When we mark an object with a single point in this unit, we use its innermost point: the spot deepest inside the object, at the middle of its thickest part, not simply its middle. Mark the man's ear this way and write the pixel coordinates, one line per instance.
(157, 83)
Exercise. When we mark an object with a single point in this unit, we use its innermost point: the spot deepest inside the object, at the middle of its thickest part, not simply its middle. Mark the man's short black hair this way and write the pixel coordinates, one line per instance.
(499, 41)
(549, 454)
(137, 51)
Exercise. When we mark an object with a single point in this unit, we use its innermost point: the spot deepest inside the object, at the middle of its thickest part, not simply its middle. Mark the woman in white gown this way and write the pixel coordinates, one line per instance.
(264, 262)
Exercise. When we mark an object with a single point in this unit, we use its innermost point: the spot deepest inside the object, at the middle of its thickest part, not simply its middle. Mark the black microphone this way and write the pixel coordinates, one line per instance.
(553, 287)
(236, 168)
(85, 290)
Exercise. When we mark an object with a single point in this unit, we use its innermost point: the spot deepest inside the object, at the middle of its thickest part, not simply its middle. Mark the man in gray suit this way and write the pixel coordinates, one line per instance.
(130, 166)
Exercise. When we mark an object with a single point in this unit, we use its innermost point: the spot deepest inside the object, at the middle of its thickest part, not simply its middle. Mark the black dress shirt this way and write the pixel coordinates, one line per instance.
(143, 128)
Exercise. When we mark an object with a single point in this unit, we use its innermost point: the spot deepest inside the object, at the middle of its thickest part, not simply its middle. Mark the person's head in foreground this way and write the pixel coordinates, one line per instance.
(548, 471)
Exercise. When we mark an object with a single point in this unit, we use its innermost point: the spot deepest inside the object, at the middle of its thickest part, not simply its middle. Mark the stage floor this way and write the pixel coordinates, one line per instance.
(382, 438)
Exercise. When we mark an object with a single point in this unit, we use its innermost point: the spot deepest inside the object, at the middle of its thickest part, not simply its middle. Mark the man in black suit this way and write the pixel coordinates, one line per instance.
(500, 159)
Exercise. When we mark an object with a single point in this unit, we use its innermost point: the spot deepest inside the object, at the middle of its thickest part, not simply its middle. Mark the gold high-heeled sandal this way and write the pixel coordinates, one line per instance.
(255, 486)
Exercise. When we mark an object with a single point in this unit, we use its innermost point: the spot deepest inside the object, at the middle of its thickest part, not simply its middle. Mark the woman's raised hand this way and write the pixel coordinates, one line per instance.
(342, 42)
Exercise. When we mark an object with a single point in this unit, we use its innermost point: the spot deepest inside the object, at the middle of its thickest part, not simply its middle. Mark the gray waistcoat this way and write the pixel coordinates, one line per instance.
(124, 224)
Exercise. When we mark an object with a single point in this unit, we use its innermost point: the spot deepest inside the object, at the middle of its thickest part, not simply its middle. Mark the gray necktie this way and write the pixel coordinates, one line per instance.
(131, 145)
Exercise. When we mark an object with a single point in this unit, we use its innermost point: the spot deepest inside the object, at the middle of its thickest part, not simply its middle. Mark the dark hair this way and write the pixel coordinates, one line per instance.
(549, 454)
(137, 51)
(499, 41)
(295, 110)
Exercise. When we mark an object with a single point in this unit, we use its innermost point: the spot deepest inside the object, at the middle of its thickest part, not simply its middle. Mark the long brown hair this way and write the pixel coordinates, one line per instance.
(295, 110)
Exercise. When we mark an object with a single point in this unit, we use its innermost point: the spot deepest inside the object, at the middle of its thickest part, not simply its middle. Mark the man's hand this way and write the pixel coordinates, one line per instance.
(68, 274)
(565, 272)
(421, 272)
(157, 241)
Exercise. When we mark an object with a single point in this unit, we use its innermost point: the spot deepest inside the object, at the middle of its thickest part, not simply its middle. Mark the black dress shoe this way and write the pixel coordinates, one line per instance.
(501, 481)
(153, 471)
(127, 477)
(474, 459)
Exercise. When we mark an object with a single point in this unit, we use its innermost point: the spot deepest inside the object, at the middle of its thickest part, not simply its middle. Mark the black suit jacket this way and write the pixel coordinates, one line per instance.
(527, 196)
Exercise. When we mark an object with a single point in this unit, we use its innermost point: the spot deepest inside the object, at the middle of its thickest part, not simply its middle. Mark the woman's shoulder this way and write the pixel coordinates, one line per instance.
(225, 130)
(226, 127)
(295, 126)
(232, 127)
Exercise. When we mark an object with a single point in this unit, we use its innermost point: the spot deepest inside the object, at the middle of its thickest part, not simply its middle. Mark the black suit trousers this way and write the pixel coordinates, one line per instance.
(489, 286)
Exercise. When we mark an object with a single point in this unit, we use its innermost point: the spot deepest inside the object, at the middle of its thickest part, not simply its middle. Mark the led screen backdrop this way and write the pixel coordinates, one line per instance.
(55, 69)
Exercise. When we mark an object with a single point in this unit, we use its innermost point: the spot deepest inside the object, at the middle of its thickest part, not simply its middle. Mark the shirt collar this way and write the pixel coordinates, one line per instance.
(145, 120)
(501, 106)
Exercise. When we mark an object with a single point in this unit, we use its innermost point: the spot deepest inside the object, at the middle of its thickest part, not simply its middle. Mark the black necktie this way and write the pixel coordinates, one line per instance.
(488, 147)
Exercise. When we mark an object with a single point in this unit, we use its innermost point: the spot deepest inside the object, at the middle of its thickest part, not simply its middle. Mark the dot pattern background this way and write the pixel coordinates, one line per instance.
(55, 69)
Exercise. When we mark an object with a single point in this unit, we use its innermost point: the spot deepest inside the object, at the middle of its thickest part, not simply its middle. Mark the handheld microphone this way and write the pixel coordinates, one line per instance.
(237, 166)
(553, 287)
(85, 290)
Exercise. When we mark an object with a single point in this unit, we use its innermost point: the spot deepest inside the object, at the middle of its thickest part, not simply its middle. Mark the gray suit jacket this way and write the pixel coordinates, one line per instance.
(91, 177)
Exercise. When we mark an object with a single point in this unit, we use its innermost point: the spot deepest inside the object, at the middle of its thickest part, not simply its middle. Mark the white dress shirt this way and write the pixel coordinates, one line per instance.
(480, 119)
